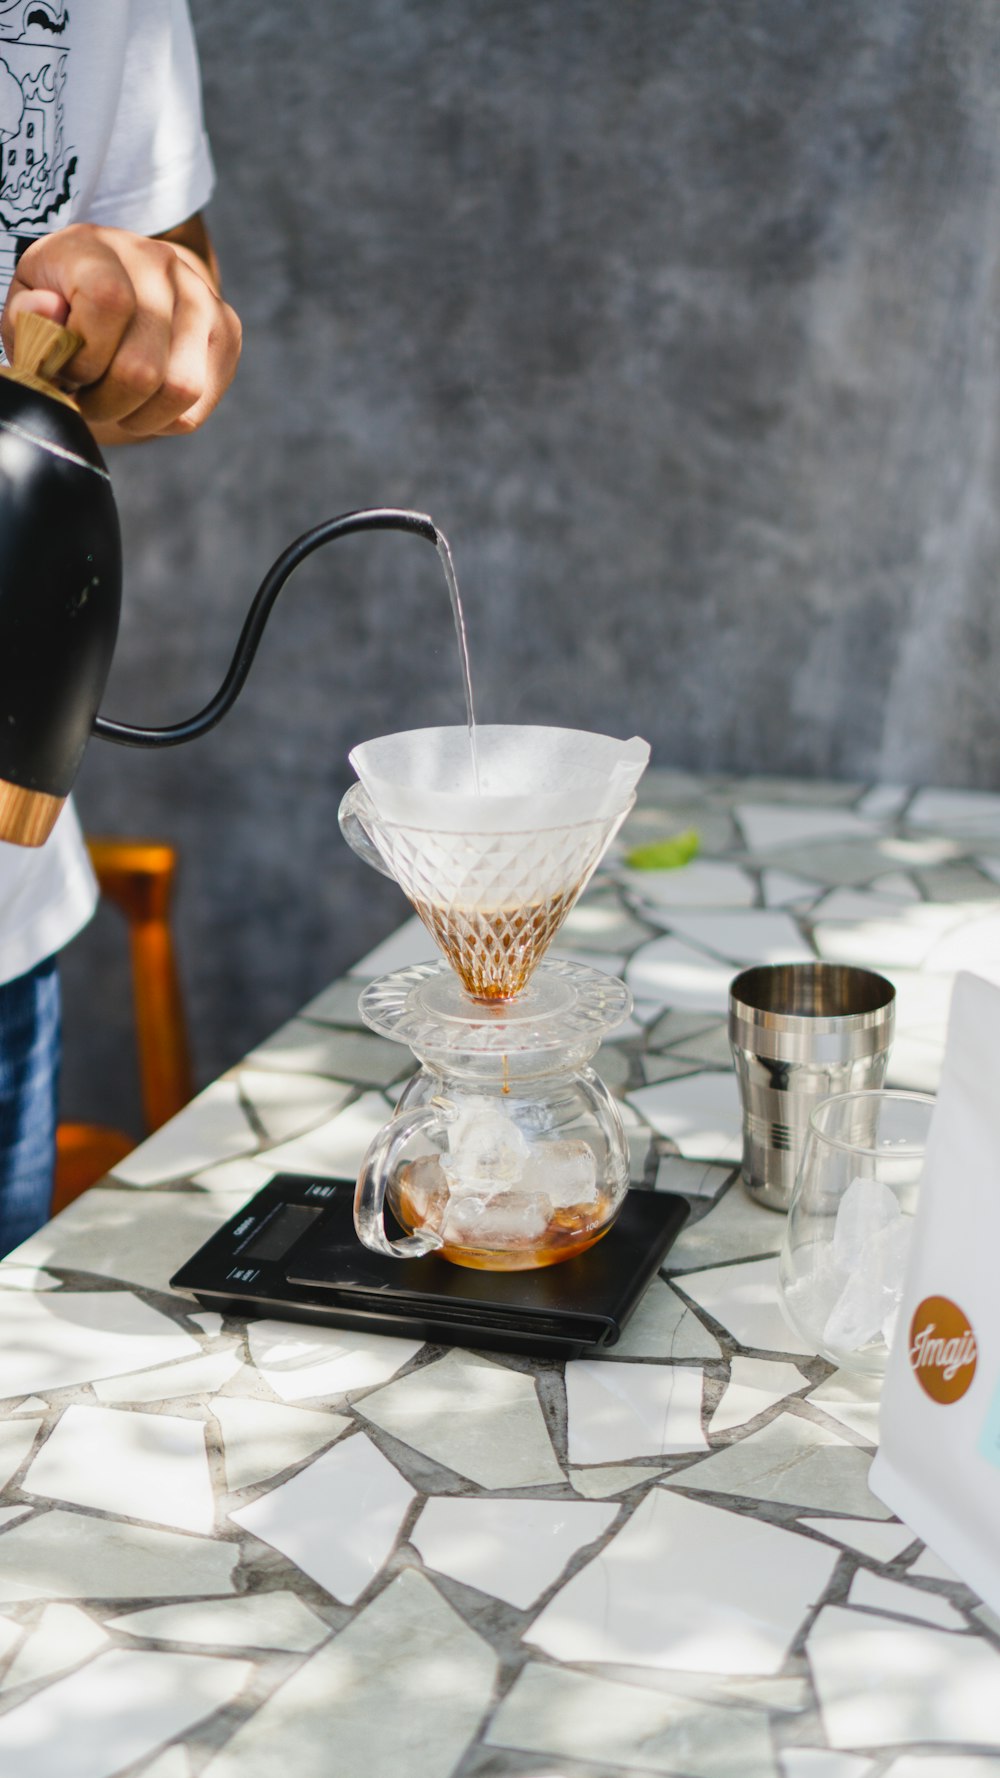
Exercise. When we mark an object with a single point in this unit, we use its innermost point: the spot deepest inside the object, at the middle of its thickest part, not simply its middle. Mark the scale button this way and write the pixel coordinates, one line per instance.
(243, 1274)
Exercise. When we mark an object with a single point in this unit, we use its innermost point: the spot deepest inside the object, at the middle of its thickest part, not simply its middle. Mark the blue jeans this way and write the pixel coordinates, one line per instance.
(29, 1078)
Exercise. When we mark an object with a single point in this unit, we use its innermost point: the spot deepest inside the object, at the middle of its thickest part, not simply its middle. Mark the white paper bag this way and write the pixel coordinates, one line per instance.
(938, 1464)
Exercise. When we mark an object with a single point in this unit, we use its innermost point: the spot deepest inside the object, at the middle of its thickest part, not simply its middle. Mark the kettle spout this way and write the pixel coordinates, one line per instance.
(60, 594)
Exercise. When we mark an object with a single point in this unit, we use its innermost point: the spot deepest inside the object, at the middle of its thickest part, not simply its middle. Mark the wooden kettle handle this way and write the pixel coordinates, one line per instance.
(41, 348)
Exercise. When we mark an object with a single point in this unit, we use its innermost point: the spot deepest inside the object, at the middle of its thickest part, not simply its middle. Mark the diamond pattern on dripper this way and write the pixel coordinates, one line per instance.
(494, 902)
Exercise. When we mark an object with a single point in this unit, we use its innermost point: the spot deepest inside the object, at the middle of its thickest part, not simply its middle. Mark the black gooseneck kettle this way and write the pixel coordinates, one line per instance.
(60, 589)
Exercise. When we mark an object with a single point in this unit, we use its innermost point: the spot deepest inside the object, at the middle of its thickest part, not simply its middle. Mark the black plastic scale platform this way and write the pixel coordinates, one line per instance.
(292, 1252)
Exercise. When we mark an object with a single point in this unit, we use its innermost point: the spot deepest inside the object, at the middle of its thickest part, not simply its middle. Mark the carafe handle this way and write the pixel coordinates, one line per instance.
(355, 816)
(376, 1171)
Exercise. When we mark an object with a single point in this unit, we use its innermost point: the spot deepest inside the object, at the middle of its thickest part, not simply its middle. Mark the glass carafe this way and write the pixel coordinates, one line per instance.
(506, 1152)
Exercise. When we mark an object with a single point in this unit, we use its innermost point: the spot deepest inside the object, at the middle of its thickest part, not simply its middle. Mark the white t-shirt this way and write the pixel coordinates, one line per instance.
(100, 121)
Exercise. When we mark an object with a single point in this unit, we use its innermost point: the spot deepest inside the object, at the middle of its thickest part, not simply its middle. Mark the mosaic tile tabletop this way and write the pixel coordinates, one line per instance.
(232, 1548)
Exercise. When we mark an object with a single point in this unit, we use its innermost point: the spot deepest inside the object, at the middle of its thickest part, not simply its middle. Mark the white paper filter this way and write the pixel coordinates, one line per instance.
(530, 778)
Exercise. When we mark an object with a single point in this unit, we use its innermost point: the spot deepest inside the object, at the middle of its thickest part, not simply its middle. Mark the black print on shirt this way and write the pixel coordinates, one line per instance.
(36, 164)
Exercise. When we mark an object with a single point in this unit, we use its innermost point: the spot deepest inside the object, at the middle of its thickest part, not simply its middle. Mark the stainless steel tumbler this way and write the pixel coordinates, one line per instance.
(800, 1032)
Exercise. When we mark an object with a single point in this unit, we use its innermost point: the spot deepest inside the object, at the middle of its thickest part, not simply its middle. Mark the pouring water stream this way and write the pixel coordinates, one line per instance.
(463, 649)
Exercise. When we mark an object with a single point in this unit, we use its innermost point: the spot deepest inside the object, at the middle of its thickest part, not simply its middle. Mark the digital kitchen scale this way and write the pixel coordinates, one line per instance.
(292, 1252)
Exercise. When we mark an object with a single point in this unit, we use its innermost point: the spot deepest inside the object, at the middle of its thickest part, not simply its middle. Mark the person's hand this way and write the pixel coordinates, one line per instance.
(160, 345)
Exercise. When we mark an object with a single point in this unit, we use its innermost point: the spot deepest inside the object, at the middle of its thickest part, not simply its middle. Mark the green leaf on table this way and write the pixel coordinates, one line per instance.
(669, 854)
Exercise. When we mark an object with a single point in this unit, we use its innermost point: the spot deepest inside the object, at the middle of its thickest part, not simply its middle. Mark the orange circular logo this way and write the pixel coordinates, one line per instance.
(942, 1349)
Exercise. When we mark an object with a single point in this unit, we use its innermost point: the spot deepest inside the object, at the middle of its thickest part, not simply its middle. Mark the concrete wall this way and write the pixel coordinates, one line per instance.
(679, 318)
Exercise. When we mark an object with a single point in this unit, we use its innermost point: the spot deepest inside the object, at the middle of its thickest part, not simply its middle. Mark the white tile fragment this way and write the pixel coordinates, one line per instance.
(747, 936)
(241, 1178)
(735, 1228)
(254, 1620)
(203, 1375)
(47, 1558)
(67, 1337)
(790, 1460)
(908, 936)
(859, 905)
(882, 1683)
(212, 1128)
(172, 1763)
(883, 1543)
(661, 1326)
(896, 884)
(478, 1418)
(210, 1323)
(744, 1299)
(287, 1105)
(63, 1638)
(336, 1005)
(118, 1708)
(963, 811)
(32, 1404)
(300, 1362)
(818, 1762)
(790, 1696)
(601, 923)
(308, 1049)
(783, 888)
(852, 1400)
(702, 883)
(337, 1519)
(10, 1635)
(883, 802)
(712, 1049)
(699, 1112)
(675, 974)
(582, 1716)
(944, 1765)
(687, 1586)
(611, 1478)
(767, 826)
(513, 1549)
(928, 1566)
(608, 962)
(17, 1277)
(135, 1237)
(755, 1384)
(16, 1439)
(618, 1411)
(691, 1179)
(141, 1466)
(880, 1594)
(406, 1660)
(336, 1149)
(260, 1438)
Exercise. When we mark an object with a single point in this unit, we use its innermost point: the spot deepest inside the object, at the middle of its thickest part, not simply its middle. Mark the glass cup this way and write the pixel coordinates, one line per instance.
(843, 1258)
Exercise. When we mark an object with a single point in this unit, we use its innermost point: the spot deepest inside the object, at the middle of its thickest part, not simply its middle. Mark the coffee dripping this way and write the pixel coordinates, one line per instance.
(506, 1151)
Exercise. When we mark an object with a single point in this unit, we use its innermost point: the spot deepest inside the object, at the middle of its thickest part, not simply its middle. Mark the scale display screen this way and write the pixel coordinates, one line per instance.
(281, 1231)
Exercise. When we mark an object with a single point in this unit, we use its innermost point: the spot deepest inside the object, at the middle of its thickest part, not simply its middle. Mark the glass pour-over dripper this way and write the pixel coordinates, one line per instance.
(494, 872)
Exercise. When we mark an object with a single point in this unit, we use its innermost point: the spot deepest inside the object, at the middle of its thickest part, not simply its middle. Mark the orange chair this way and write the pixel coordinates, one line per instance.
(138, 876)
